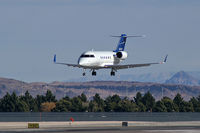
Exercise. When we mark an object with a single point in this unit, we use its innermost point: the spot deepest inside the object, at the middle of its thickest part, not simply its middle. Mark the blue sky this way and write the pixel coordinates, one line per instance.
(32, 31)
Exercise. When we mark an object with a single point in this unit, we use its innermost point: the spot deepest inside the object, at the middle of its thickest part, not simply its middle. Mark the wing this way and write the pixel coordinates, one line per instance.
(129, 66)
(73, 65)
(116, 67)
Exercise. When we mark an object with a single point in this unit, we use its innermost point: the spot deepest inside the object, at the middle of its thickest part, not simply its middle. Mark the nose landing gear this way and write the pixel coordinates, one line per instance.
(84, 72)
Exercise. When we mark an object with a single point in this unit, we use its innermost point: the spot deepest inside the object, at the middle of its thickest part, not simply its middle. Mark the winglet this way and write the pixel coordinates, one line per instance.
(165, 60)
(54, 59)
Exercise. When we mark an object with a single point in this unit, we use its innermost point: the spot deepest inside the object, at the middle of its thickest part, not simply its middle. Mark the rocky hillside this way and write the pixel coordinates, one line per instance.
(104, 88)
(183, 78)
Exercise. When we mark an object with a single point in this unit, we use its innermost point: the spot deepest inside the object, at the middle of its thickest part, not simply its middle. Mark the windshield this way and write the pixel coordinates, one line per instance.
(87, 55)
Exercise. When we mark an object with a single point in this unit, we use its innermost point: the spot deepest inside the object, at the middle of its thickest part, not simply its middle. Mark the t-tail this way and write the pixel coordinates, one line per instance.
(122, 42)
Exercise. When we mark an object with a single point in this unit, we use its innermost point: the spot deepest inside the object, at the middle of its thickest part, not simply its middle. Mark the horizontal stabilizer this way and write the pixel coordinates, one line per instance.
(130, 36)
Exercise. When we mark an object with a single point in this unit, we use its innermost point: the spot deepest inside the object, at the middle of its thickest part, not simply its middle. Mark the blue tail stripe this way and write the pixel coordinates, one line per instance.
(121, 44)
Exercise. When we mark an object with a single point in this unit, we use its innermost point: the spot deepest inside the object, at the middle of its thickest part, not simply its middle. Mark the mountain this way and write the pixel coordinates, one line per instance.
(183, 78)
(146, 77)
(104, 88)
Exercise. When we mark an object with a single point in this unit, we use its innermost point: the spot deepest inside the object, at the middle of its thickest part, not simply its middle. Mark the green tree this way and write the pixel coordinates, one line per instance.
(170, 106)
(30, 101)
(39, 100)
(149, 101)
(160, 107)
(50, 97)
(63, 106)
(186, 107)
(115, 98)
(93, 107)
(108, 104)
(178, 101)
(77, 105)
(11, 103)
(138, 98)
(83, 97)
(6, 105)
(127, 106)
(182, 105)
(100, 102)
(141, 107)
(22, 106)
(195, 103)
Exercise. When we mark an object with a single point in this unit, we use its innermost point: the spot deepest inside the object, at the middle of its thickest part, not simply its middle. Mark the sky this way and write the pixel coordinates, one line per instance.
(32, 31)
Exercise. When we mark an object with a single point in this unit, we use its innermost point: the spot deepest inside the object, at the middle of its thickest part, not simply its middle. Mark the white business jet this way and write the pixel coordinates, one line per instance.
(95, 60)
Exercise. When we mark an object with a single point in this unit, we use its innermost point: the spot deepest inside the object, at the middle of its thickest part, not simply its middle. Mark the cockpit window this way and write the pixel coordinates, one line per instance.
(87, 55)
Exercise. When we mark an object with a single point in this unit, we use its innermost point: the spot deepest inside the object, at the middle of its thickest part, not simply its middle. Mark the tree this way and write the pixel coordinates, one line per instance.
(127, 106)
(22, 106)
(39, 100)
(182, 105)
(149, 101)
(83, 97)
(170, 106)
(186, 107)
(108, 104)
(48, 106)
(50, 97)
(178, 101)
(77, 105)
(30, 101)
(100, 102)
(115, 98)
(12, 103)
(141, 107)
(195, 103)
(93, 107)
(6, 104)
(160, 107)
(63, 106)
(138, 98)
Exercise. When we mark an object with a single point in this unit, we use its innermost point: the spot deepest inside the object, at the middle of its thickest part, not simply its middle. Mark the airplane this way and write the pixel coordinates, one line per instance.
(95, 60)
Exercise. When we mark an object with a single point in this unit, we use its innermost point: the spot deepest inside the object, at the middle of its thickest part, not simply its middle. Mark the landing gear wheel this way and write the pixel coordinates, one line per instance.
(94, 73)
(112, 73)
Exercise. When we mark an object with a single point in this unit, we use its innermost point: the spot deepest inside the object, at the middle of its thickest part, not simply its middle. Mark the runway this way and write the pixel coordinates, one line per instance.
(111, 130)
(102, 127)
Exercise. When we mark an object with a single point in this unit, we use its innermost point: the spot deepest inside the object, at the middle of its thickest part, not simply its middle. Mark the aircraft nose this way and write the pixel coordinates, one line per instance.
(80, 62)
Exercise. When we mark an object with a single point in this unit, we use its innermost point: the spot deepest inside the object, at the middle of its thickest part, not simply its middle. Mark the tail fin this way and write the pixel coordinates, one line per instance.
(122, 42)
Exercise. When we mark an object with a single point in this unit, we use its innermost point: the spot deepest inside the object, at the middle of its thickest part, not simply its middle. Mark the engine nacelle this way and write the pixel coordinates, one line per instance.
(122, 55)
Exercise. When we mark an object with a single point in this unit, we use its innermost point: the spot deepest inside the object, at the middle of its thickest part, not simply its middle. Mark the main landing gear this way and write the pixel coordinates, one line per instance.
(94, 73)
(112, 73)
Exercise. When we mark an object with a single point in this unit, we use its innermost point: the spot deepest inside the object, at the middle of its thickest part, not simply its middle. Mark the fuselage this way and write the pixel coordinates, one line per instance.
(98, 58)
